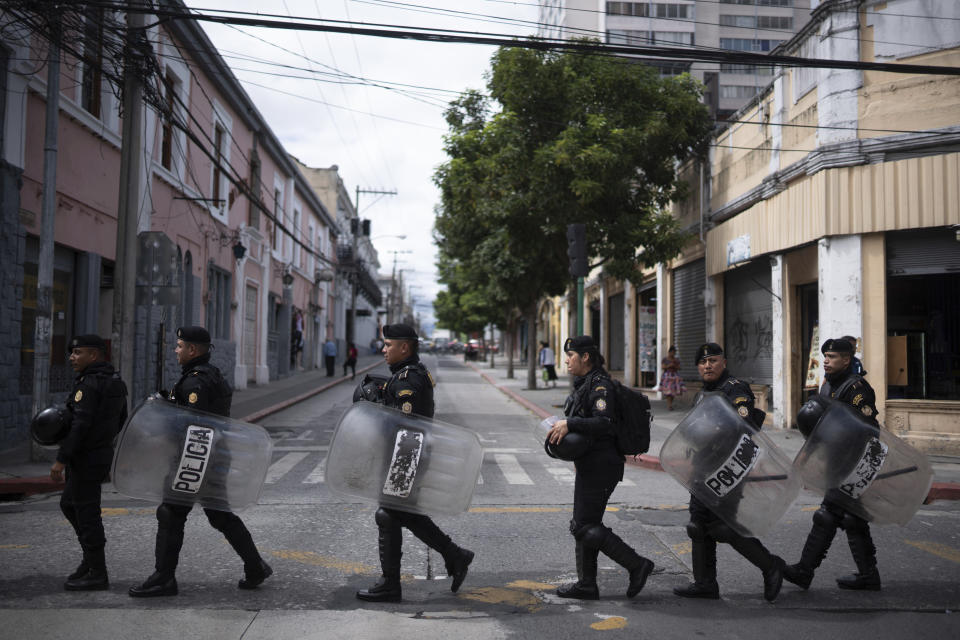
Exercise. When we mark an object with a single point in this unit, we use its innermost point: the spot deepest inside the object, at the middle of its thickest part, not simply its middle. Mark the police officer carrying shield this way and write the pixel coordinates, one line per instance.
(591, 412)
(705, 528)
(842, 384)
(98, 407)
(202, 387)
(409, 389)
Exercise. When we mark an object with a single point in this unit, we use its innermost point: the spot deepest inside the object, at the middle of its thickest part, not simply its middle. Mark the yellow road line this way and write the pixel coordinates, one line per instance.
(518, 509)
(613, 622)
(533, 586)
(937, 549)
(317, 560)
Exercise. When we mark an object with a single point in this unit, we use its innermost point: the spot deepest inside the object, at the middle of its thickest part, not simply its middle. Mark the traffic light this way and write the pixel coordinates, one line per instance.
(577, 250)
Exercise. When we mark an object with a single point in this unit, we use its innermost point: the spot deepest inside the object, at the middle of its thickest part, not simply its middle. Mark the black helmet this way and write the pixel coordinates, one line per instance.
(50, 426)
(810, 414)
(370, 388)
(571, 447)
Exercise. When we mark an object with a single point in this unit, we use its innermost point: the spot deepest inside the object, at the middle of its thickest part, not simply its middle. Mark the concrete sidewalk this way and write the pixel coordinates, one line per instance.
(545, 402)
(21, 477)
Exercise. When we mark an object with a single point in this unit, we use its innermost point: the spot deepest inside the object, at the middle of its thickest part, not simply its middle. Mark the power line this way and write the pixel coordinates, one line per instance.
(460, 37)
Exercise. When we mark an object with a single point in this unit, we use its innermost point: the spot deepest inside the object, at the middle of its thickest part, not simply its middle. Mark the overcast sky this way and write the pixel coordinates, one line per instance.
(383, 139)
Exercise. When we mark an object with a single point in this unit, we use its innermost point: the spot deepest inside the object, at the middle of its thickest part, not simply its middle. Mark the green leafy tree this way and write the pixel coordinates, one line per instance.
(562, 138)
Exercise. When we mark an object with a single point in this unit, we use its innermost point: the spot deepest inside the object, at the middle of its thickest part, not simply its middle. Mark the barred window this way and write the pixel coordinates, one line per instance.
(748, 44)
(218, 302)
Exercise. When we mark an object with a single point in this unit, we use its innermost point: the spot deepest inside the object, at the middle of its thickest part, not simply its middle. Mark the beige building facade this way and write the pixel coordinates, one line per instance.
(831, 208)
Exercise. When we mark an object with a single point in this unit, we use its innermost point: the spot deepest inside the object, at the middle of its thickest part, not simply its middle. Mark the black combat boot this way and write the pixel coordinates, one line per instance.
(80, 571)
(772, 566)
(254, 568)
(95, 577)
(814, 550)
(254, 575)
(704, 562)
(585, 588)
(457, 561)
(867, 577)
(162, 582)
(158, 584)
(623, 554)
(387, 588)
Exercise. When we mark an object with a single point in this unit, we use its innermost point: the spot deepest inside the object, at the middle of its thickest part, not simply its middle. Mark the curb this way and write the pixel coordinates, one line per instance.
(29, 486)
(943, 491)
(938, 490)
(280, 406)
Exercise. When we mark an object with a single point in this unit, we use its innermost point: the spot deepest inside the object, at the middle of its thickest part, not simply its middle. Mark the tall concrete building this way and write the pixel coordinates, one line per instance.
(755, 26)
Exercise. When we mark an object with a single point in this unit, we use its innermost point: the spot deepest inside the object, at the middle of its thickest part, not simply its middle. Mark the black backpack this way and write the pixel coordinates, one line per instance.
(632, 426)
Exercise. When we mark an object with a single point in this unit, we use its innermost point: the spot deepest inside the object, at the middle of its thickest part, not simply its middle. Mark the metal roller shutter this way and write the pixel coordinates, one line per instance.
(748, 322)
(689, 317)
(923, 252)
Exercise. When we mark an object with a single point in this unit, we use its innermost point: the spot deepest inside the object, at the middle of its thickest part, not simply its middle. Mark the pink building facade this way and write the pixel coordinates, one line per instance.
(238, 240)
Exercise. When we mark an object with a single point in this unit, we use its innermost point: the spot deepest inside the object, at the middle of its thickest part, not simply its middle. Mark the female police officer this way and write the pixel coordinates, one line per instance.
(590, 413)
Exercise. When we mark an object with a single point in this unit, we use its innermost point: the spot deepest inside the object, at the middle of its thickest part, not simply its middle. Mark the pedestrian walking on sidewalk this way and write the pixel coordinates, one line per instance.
(98, 406)
(548, 362)
(330, 356)
(843, 384)
(409, 389)
(705, 528)
(201, 387)
(351, 361)
(671, 384)
(590, 411)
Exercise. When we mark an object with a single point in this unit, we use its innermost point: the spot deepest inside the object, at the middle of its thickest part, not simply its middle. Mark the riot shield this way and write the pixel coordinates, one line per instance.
(868, 471)
(570, 448)
(403, 461)
(732, 468)
(169, 453)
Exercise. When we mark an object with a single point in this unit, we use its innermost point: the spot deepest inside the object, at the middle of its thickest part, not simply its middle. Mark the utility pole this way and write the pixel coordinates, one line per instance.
(43, 324)
(124, 303)
(356, 230)
(393, 286)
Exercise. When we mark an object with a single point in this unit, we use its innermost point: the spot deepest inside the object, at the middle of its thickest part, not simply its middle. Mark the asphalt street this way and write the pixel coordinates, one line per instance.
(323, 548)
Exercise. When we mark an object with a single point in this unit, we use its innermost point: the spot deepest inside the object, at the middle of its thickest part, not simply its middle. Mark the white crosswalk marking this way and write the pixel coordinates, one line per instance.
(316, 476)
(563, 475)
(511, 469)
(283, 466)
(627, 482)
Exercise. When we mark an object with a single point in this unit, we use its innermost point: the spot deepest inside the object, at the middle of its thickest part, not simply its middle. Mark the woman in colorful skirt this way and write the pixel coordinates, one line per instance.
(671, 384)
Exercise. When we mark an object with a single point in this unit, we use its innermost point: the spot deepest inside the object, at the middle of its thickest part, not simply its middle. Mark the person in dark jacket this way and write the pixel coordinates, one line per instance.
(201, 387)
(591, 412)
(705, 528)
(841, 383)
(98, 406)
(409, 389)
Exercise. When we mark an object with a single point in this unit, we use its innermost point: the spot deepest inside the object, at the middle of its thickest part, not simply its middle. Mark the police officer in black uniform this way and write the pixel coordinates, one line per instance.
(409, 389)
(591, 412)
(98, 407)
(844, 385)
(202, 387)
(705, 528)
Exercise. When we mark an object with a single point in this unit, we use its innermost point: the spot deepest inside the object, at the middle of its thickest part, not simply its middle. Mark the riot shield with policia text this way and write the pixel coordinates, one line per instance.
(169, 453)
(731, 467)
(403, 461)
(867, 471)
